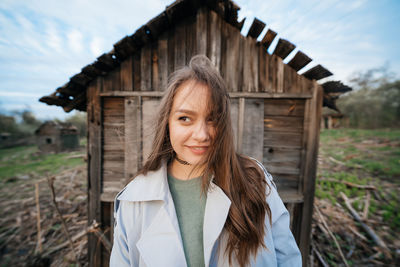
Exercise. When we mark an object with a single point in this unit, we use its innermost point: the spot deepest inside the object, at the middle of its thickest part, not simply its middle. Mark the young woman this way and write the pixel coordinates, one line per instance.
(196, 202)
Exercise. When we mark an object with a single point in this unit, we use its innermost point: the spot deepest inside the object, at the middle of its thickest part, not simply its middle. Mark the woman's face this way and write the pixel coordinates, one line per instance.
(190, 127)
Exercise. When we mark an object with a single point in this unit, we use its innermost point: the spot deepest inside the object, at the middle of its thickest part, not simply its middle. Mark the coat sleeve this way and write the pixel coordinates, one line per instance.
(286, 249)
(120, 252)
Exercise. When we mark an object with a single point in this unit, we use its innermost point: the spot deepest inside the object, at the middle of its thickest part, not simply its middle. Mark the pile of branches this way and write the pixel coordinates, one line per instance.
(43, 221)
(343, 236)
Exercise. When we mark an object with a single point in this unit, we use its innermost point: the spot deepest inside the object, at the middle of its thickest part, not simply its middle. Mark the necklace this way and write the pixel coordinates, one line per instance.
(182, 161)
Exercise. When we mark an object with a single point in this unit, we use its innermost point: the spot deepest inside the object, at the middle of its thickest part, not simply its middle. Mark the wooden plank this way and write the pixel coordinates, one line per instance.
(133, 136)
(112, 81)
(201, 31)
(127, 74)
(283, 48)
(240, 127)
(310, 169)
(136, 71)
(281, 154)
(232, 57)
(162, 62)
(154, 67)
(299, 61)
(105, 226)
(171, 51)
(272, 73)
(180, 46)
(231, 94)
(268, 38)
(284, 107)
(256, 28)
(149, 113)
(290, 84)
(263, 61)
(94, 152)
(214, 41)
(291, 196)
(250, 65)
(253, 129)
(316, 73)
(234, 107)
(282, 139)
(279, 75)
(190, 39)
(284, 124)
(287, 168)
(145, 68)
(113, 103)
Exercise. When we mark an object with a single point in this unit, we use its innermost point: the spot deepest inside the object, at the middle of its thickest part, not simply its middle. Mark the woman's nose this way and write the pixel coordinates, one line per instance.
(201, 131)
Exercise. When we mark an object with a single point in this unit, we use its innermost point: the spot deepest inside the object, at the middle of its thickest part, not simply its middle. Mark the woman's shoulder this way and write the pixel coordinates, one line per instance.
(268, 177)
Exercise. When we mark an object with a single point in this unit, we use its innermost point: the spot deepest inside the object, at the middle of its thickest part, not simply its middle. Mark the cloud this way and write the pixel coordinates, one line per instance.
(96, 46)
(75, 40)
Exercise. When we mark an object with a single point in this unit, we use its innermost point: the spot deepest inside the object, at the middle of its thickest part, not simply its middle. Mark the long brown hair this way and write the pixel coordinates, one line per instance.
(241, 179)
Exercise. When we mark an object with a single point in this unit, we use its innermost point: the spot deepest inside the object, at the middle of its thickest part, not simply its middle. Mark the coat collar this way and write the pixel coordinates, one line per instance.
(154, 187)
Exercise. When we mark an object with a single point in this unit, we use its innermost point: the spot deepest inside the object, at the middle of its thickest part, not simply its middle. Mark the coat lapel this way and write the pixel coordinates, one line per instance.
(160, 243)
(216, 212)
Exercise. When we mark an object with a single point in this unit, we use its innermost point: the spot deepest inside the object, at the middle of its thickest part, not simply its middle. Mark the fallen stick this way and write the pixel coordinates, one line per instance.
(367, 187)
(66, 243)
(369, 231)
(366, 206)
(94, 228)
(319, 256)
(53, 194)
(39, 235)
(331, 235)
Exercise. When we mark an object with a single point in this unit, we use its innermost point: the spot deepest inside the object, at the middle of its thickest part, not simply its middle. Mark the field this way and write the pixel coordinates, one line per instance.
(22, 170)
(362, 166)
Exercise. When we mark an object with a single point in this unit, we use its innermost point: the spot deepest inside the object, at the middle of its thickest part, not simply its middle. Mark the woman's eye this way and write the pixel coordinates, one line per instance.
(184, 119)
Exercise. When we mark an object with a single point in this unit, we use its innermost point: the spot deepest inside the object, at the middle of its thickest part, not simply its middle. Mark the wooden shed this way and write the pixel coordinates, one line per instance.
(56, 137)
(276, 112)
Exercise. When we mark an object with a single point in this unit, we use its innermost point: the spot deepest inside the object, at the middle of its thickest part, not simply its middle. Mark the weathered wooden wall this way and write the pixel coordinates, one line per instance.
(275, 114)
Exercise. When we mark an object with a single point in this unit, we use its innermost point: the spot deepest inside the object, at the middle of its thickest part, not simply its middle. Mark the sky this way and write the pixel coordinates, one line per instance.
(45, 42)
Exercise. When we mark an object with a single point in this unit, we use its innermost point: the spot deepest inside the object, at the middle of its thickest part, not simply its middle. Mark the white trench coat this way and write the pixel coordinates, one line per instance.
(146, 229)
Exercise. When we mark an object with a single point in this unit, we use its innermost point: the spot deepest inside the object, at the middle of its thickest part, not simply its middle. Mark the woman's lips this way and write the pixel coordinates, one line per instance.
(198, 150)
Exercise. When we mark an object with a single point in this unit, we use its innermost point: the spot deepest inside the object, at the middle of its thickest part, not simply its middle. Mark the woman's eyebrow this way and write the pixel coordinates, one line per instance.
(187, 111)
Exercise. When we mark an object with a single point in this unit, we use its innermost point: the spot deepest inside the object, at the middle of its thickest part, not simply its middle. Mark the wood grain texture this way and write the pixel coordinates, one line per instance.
(133, 121)
(214, 40)
(268, 38)
(145, 68)
(201, 31)
(253, 129)
(284, 107)
(94, 152)
(233, 58)
(283, 48)
(127, 74)
(256, 28)
(315, 110)
(149, 111)
(180, 46)
(299, 61)
(163, 61)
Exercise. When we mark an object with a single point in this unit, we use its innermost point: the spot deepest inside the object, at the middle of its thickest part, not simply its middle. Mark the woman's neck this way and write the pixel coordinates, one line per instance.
(183, 172)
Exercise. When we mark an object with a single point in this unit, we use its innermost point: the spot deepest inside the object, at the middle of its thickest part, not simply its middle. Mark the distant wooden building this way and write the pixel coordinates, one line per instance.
(276, 112)
(57, 137)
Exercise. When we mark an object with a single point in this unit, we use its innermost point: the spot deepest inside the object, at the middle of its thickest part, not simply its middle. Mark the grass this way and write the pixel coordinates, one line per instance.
(25, 161)
(362, 157)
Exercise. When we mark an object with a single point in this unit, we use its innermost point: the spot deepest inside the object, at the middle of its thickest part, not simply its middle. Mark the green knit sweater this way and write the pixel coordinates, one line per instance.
(190, 204)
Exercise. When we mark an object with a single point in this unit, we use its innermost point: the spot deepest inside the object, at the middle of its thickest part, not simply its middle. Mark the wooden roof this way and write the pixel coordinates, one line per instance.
(72, 95)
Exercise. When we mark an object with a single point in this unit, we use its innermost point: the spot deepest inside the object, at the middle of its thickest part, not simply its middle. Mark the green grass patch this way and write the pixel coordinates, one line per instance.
(26, 160)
